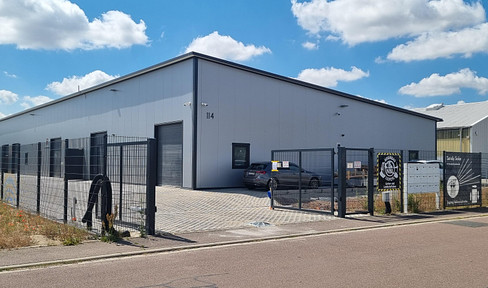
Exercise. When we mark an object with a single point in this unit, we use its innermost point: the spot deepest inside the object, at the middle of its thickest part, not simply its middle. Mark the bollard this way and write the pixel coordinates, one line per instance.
(385, 196)
(270, 196)
(73, 209)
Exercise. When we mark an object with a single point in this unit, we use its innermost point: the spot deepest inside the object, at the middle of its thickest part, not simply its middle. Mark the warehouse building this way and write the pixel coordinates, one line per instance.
(211, 118)
(465, 126)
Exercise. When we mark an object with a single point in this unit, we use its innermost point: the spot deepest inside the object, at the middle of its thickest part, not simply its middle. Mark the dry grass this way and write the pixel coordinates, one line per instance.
(424, 202)
(19, 229)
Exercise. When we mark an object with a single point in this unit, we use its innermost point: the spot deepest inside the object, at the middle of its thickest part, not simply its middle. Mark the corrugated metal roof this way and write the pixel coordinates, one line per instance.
(457, 115)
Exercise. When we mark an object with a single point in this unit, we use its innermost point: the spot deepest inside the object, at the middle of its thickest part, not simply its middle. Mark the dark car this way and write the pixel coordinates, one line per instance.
(259, 175)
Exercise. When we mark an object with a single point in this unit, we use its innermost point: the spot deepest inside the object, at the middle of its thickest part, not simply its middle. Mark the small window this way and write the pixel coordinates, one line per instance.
(413, 155)
(240, 155)
(26, 158)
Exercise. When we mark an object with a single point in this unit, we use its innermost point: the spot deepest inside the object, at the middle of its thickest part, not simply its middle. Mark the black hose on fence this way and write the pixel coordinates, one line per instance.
(102, 183)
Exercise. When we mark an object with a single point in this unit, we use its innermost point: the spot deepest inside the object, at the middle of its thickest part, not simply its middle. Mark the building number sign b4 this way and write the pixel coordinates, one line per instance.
(210, 115)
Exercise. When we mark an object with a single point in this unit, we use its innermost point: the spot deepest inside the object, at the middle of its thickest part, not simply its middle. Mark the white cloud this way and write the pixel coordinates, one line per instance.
(2, 115)
(76, 83)
(8, 97)
(330, 76)
(436, 85)
(225, 47)
(443, 45)
(9, 75)
(34, 101)
(376, 20)
(310, 46)
(60, 24)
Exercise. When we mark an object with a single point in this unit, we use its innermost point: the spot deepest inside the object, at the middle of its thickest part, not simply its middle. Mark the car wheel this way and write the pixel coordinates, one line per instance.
(314, 183)
(273, 184)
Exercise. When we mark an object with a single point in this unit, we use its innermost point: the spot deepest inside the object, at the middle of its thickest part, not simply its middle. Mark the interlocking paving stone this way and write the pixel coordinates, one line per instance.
(182, 210)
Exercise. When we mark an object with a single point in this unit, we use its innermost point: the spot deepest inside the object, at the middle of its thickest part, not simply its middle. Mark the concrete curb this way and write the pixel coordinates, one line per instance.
(233, 242)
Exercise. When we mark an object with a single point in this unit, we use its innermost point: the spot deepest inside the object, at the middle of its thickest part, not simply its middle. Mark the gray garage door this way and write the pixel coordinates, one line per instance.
(170, 154)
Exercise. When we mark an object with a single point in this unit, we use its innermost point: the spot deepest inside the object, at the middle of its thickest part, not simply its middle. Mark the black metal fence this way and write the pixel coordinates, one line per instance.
(348, 181)
(60, 180)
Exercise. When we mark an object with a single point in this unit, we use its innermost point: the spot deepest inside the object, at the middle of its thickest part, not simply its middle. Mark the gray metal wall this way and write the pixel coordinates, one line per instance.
(479, 136)
(265, 112)
(137, 105)
(272, 114)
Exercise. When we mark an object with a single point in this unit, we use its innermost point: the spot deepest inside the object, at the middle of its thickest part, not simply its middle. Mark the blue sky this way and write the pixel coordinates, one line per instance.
(408, 54)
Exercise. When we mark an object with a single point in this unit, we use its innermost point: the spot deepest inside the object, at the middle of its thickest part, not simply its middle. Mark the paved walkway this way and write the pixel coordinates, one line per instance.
(183, 210)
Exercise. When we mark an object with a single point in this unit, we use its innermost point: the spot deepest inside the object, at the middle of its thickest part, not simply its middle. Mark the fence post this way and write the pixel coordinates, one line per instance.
(104, 156)
(17, 161)
(341, 157)
(121, 173)
(371, 181)
(332, 189)
(300, 180)
(65, 213)
(271, 192)
(151, 187)
(4, 168)
(444, 188)
(402, 179)
(39, 165)
(481, 188)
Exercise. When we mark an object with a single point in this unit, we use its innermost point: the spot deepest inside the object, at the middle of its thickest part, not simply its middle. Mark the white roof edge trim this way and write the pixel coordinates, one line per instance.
(480, 120)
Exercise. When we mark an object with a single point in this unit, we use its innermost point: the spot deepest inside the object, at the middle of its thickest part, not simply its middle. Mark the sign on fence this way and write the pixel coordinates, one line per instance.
(10, 188)
(462, 178)
(389, 171)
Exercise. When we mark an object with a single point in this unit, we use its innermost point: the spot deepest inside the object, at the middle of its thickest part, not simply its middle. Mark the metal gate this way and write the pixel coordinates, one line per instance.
(303, 179)
(355, 181)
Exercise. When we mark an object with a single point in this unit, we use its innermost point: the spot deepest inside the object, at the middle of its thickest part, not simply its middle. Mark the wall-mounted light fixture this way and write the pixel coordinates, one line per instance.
(186, 104)
(114, 90)
(343, 106)
(204, 104)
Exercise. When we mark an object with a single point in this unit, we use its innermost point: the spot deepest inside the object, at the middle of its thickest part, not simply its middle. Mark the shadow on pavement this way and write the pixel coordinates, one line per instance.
(169, 236)
(418, 216)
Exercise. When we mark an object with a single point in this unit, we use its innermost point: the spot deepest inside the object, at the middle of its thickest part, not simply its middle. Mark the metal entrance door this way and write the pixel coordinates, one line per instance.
(170, 154)
(97, 152)
(55, 158)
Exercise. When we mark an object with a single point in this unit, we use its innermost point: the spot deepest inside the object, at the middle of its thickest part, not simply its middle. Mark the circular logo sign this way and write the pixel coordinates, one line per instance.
(452, 186)
(389, 169)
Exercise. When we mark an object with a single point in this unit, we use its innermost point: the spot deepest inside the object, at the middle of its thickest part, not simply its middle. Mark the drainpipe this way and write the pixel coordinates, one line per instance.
(460, 139)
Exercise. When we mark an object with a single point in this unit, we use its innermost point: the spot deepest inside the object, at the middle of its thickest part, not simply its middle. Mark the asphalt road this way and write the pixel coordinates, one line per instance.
(437, 254)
